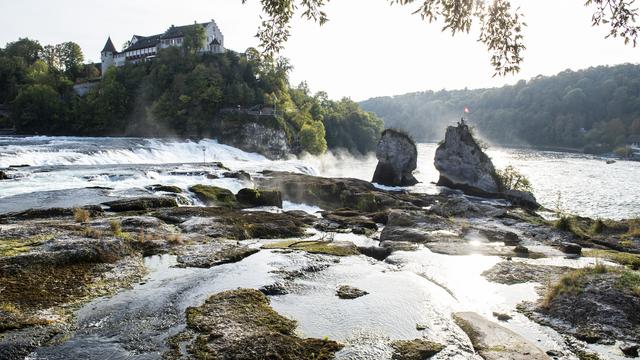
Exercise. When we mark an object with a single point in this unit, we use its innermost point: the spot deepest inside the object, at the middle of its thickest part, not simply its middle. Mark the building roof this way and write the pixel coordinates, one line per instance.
(153, 40)
(109, 46)
(144, 42)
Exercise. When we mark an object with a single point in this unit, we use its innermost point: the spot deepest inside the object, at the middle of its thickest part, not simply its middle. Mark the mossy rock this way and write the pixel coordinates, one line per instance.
(213, 195)
(316, 247)
(255, 197)
(14, 247)
(417, 349)
(141, 204)
(165, 188)
(30, 214)
(240, 324)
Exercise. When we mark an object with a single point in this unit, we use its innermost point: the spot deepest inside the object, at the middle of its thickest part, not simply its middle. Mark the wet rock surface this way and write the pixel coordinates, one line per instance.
(212, 254)
(417, 349)
(397, 159)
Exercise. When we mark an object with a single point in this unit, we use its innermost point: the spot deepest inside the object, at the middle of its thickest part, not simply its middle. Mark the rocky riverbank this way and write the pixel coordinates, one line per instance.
(53, 261)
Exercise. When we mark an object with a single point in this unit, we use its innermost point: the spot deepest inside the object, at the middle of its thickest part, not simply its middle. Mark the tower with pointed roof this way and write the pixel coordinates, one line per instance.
(107, 56)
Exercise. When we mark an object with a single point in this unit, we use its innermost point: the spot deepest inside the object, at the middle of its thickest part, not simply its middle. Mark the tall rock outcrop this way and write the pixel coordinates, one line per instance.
(463, 165)
(397, 158)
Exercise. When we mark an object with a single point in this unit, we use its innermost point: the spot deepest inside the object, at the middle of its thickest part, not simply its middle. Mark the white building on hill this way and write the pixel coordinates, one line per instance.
(142, 48)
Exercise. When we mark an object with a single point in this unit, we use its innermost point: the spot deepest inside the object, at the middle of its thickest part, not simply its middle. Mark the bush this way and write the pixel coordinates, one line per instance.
(512, 179)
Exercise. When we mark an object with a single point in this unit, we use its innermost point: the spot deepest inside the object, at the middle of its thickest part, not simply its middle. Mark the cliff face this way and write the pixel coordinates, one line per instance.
(463, 165)
(260, 134)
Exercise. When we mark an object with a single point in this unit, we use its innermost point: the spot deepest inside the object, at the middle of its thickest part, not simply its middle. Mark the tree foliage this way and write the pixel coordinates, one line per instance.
(595, 109)
(180, 93)
(194, 36)
(312, 138)
(500, 25)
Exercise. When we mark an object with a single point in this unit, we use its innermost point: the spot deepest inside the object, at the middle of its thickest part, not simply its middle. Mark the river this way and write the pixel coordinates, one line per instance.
(584, 184)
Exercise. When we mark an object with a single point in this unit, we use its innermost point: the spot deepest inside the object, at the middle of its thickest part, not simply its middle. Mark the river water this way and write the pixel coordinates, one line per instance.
(585, 184)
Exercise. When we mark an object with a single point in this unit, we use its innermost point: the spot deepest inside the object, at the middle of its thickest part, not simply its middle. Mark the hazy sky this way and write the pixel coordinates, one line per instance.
(368, 48)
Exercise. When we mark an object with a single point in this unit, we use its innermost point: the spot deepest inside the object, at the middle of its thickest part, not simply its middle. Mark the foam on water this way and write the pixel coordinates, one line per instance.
(49, 151)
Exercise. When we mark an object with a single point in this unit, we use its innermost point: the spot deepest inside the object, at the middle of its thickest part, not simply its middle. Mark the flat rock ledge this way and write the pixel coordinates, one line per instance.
(518, 272)
(240, 324)
(495, 342)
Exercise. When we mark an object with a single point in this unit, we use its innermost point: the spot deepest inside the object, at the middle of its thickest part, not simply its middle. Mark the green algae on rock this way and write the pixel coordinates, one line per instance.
(213, 195)
(240, 324)
(262, 197)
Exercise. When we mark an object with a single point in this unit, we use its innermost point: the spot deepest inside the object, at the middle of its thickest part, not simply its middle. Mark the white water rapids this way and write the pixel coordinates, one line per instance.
(586, 184)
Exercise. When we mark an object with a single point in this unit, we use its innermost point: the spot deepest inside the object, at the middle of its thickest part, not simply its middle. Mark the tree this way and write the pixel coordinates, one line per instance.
(71, 57)
(194, 37)
(500, 25)
(36, 109)
(312, 138)
(562, 110)
(25, 48)
(66, 57)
